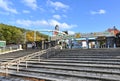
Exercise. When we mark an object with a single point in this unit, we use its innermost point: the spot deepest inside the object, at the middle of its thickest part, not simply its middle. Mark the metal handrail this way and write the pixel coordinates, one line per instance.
(27, 57)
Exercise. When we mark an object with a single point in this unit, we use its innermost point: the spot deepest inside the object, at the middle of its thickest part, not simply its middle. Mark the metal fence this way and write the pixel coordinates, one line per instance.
(10, 48)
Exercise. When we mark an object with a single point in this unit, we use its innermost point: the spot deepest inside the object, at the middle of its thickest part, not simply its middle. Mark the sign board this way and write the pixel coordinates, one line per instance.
(2, 43)
(96, 34)
(62, 37)
(68, 37)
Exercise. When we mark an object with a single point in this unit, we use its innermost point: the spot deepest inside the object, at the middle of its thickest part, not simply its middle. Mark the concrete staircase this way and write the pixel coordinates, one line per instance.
(72, 65)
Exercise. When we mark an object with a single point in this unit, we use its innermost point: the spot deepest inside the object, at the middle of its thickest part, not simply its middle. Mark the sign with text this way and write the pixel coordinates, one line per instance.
(96, 34)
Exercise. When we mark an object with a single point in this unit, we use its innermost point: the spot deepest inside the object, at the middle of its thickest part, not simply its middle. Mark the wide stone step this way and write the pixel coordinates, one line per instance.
(87, 59)
(80, 61)
(11, 78)
(106, 67)
(67, 56)
(89, 54)
(57, 73)
(49, 76)
(74, 68)
(29, 74)
(78, 65)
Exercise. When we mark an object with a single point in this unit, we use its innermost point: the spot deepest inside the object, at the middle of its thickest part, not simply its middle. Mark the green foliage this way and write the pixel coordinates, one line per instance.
(13, 34)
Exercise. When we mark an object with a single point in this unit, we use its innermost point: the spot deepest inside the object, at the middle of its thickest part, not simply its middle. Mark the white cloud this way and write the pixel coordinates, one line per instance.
(57, 5)
(29, 23)
(5, 5)
(49, 23)
(26, 11)
(101, 11)
(57, 17)
(31, 3)
(64, 25)
(71, 32)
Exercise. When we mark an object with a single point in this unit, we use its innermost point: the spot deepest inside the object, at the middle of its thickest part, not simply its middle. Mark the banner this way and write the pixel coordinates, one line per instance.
(96, 34)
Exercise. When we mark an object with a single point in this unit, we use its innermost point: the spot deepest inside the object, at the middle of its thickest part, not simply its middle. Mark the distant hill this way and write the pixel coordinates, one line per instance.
(13, 34)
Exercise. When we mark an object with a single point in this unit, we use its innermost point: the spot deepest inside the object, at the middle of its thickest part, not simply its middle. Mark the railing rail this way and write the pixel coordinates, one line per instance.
(5, 65)
(8, 49)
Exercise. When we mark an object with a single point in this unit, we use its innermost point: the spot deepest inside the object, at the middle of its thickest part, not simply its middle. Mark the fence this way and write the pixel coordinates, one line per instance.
(10, 48)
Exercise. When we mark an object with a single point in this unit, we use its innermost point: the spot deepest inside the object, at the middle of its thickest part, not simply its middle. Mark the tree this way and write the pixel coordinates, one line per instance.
(13, 34)
(10, 34)
(39, 36)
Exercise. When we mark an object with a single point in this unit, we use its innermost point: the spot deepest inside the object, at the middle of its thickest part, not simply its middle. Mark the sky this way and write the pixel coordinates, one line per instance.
(74, 16)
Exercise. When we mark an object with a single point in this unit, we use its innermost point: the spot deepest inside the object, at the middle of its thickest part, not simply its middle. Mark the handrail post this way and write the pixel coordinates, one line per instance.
(6, 70)
(54, 51)
(47, 53)
(26, 64)
(18, 66)
(39, 58)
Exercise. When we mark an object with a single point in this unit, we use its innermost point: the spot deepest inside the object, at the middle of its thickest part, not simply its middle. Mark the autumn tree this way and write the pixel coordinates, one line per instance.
(13, 34)
(39, 36)
(10, 34)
